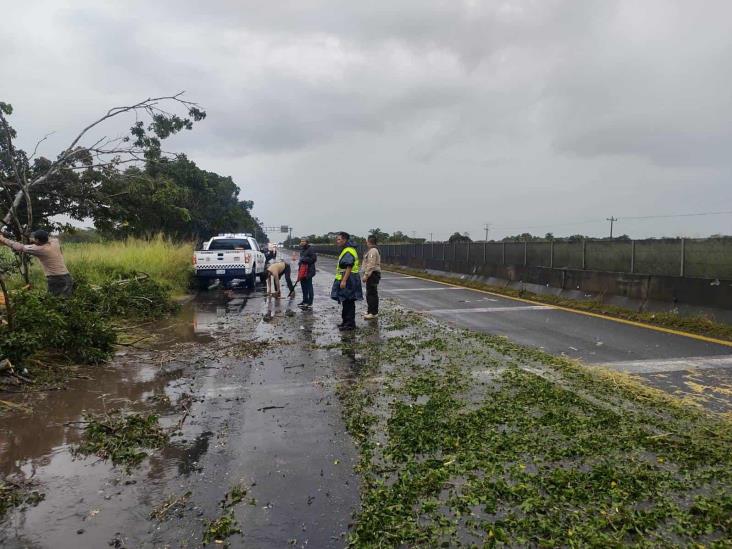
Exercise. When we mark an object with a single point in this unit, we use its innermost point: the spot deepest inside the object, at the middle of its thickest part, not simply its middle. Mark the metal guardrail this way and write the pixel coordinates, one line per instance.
(709, 258)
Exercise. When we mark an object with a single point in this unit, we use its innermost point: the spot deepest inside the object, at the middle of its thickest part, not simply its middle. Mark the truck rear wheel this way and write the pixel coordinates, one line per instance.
(252, 280)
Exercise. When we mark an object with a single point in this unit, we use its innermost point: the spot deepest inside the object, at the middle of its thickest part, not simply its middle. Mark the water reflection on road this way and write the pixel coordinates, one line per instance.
(133, 376)
(135, 380)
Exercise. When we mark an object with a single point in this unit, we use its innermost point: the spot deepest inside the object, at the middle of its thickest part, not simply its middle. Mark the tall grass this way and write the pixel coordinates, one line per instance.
(164, 261)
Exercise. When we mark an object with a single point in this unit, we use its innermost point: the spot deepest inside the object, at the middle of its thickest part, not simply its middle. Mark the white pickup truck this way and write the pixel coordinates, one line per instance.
(227, 257)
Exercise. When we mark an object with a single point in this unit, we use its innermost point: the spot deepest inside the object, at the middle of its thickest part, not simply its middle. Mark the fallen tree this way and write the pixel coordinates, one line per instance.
(33, 189)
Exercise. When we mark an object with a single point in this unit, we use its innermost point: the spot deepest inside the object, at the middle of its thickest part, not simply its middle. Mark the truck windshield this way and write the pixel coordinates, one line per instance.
(229, 244)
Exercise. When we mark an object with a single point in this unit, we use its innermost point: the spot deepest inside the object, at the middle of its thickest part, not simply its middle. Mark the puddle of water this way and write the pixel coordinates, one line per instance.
(37, 445)
(132, 378)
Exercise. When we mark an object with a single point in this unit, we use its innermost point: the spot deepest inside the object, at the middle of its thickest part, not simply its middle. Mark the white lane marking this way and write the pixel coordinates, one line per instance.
(419, 289)
(490, 309)
(670, 365)
(396, 277)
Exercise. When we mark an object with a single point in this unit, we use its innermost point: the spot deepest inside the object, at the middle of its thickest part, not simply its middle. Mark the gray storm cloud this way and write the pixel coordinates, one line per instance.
(431, 116)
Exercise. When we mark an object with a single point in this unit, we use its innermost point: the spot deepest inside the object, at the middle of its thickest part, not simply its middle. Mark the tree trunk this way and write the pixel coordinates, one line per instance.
(8, 304)
(25, 268)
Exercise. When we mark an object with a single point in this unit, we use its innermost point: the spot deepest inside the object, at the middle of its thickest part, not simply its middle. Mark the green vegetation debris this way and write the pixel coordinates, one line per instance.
(468, 439)
(217, 531)
(50, 334)
(122, 438)
(15, 494)
(234, 496)
(170, 505)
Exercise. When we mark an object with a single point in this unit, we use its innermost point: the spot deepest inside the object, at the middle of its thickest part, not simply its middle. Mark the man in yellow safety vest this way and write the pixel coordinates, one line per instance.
(347, 284)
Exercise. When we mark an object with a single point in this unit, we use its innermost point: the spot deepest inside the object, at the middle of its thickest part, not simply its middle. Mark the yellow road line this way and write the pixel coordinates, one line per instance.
(580, 312)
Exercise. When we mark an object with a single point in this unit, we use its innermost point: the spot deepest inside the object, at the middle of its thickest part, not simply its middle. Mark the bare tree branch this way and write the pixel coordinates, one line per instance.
(38, 144)
(102, 147)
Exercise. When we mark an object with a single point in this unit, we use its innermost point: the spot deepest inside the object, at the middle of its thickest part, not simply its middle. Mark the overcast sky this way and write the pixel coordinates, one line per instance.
(424, 116)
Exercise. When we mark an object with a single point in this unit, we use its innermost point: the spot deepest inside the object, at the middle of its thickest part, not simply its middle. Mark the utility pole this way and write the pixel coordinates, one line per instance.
(486, 228)
(612, 220)
(430, 237)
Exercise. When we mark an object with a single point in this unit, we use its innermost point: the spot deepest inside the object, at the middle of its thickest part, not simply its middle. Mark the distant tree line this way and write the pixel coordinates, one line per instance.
(397, 237)
(175, 198)
(400, 238)
(528, 237)
(548, 237)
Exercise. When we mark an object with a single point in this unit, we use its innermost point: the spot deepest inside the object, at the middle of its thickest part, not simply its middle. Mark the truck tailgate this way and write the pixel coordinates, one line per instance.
(216, 258)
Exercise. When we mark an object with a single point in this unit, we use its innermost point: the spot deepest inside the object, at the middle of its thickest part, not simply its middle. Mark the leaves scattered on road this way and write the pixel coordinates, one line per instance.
(123, 439)
(220, 529)
(467, 438)
(17, 493)
(171, 504)
(217, 531)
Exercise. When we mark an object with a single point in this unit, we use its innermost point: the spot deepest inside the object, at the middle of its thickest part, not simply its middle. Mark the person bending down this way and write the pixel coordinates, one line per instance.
(274, 273)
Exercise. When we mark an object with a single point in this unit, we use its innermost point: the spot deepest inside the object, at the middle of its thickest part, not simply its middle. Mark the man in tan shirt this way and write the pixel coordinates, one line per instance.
(274, 272)
(48, 252)
(371, 269)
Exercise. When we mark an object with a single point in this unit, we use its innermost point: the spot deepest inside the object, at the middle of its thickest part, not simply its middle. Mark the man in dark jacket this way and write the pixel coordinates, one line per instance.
(270, 254)
(347, 284)
(308, 258)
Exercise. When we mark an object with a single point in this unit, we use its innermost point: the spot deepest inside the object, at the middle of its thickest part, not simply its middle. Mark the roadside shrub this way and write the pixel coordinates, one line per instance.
(81, 328)
(69, 327)
(87, 336)
(129, 294)
(33, 322)
(18, 345)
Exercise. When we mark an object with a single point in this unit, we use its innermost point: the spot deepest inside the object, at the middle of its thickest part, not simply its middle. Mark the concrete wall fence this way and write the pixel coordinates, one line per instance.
(682, 271)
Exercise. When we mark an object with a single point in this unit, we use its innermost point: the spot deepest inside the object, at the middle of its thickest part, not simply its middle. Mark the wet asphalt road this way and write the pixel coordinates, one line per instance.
(680, 365)
(590, 339)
